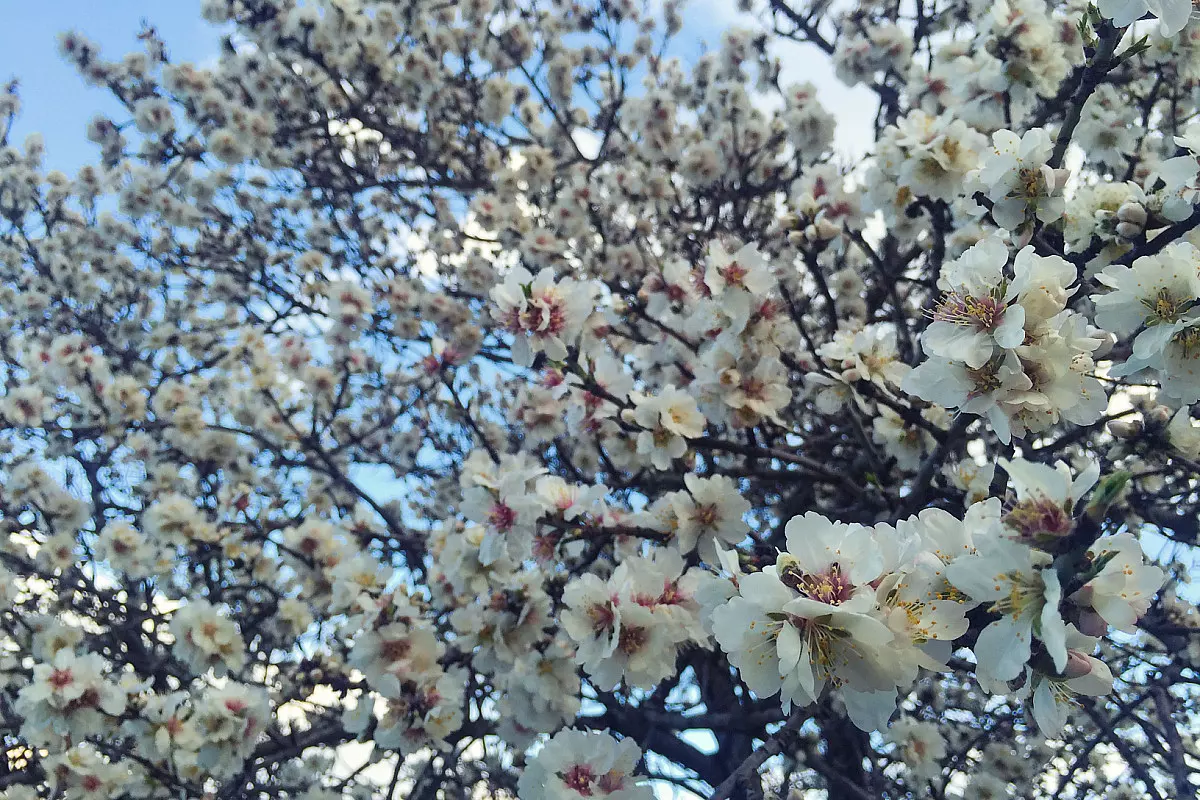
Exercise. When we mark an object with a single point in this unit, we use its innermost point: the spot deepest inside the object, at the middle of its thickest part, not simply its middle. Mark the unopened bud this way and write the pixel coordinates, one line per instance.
(825, 229)
(1133, 213)
(789, 221)
(1078, 665)
(1107, 492)
(1125, 428)
(1061, 176)
(1158, 416)
(1128, 230)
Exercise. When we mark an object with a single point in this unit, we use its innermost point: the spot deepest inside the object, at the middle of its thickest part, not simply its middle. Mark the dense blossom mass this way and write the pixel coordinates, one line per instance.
(511, 399)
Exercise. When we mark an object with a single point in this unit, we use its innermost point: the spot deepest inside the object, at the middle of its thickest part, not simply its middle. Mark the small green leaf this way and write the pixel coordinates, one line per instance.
(1136, 49)
(1107, 492)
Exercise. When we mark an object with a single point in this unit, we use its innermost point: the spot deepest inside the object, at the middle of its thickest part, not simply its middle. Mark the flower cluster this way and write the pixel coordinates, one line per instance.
(577, 764)
(630, 627)
(1157, 298)
(845, 606)
(1006, 346)
(862, 610)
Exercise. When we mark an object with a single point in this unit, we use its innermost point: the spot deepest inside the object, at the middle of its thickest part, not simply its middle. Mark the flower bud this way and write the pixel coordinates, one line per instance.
(789, 221)
(1125, 428)
(1061, 176)
(825, 229)
(1133, 214)
(1158, 416)
(1078, 664)
(1127, 230)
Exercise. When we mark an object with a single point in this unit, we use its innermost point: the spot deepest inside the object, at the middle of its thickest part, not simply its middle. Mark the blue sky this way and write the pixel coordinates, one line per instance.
(55, 100)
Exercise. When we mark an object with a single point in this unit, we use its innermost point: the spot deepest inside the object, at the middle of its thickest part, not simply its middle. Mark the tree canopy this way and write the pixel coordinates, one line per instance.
(501, 399)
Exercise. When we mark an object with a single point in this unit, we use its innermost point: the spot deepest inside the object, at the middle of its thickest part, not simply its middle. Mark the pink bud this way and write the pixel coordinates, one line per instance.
(1078, 664)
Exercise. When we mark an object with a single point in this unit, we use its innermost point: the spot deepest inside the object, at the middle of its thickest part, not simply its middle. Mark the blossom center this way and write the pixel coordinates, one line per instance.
(579, 778)
(1039, 518)
(1032, 183)
(958, 308)
(632, 639)
(1165, 307)
(502, 517)
(394, 650)
(602, 616)
(1188, 342)
(734, 274)
(984, 380)
(707, 515)
(1024, 594)
(61, 678)
(831, 587)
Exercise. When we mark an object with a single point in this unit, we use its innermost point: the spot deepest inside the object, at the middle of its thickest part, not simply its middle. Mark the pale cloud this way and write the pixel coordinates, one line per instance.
(854, 108)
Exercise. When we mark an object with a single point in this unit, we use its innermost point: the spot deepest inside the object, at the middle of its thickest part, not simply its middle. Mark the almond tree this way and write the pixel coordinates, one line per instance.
(469, 400)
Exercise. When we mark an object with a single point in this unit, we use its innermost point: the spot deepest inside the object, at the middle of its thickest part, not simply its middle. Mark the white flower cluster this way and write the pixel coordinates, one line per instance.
(399, 655)
(543, 315)
(1022, 186)
(846, 607)
(862, 610)
(577, 764)
(75, 696)
(1007, 347)
(630, 627)
(1158, 299)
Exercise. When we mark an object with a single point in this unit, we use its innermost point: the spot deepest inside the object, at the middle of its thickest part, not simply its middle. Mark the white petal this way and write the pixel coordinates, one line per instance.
(789, 645)
(869, 711)
(1003, 648)
(1053, 631)
(1049, 714)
